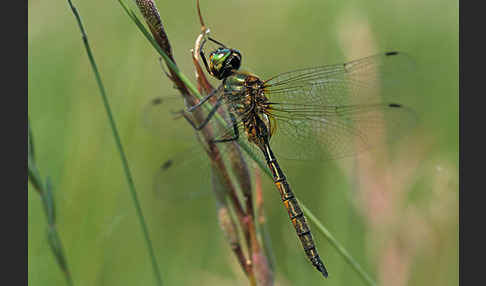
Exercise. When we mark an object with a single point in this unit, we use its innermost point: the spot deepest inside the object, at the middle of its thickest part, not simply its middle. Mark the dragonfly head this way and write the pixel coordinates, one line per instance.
(223, 62)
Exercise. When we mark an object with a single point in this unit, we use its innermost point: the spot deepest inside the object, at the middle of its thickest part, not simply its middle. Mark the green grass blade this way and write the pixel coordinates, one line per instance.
(30, 142)
(49, 202)
(33, 172)
(149, 37)
(335, 243)
(45, 192)
(119, 146)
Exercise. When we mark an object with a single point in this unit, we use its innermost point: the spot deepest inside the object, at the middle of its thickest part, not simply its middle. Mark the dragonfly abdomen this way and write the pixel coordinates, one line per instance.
(296, 214)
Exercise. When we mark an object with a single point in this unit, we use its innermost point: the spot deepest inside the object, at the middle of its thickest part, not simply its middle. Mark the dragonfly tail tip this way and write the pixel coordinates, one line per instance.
(324, 272)
(321, 268)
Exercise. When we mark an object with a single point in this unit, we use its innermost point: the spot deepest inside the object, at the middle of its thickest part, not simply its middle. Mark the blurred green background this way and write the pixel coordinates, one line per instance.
(400, 221)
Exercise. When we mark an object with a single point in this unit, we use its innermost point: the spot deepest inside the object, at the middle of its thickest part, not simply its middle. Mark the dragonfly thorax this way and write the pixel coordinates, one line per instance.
(245, 94)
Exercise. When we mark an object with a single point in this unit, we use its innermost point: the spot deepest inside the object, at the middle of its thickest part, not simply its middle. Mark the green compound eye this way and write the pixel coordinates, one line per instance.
(223, 61)
(220, 56)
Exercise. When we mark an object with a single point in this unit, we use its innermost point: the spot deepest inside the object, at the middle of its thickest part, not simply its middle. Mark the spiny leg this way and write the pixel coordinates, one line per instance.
(217, 42)
(203, 56)
(202, 101)
(236, 135)
(206, 120)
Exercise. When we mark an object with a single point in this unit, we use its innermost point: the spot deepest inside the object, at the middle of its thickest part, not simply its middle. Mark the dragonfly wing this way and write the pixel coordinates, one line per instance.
(354, 82)
(170, 181)
(160, 119)
(327, 132)
(340, 110)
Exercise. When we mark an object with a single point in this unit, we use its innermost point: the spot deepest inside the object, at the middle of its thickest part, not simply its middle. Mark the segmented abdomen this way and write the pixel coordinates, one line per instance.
(295, 213)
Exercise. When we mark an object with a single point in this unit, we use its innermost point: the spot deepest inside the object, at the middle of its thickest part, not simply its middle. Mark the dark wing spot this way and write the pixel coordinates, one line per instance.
(156, 101)
(166, 165)
(345, 67)
(391, 53)
(394, 105)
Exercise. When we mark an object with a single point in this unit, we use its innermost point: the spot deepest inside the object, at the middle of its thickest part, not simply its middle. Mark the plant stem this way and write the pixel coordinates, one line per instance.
(119, 146)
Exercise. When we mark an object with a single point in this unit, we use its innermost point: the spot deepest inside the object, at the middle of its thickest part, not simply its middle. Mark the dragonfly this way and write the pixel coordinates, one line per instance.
(324, 112)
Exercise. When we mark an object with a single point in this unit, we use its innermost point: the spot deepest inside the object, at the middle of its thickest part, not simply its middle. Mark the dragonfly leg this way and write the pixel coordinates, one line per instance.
(163, 69)
(235, 130)
(206, 120)
(217, 42)
(202, 101)
(203, 56)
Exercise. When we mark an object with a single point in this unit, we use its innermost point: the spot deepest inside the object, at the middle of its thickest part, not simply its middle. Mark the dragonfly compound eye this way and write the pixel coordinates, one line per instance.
(223, 61)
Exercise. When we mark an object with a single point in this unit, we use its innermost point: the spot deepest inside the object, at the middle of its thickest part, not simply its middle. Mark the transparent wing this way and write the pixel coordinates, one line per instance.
(159, 119)
(340, 110)
(170, 181)
(354, 82)
(185, 176)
